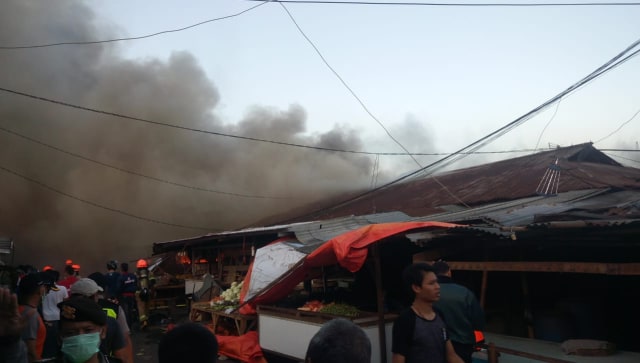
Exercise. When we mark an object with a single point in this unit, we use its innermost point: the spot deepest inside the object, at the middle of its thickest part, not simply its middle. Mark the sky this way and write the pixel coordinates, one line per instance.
(458, 73)
(95, 187)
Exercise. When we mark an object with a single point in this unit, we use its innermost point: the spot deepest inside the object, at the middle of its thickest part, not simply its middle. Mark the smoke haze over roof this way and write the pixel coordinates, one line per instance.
(49, 227)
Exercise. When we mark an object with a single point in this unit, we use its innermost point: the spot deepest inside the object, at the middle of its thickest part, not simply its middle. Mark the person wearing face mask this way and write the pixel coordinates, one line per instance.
(31, 290)
(115, 342)
(82, 327)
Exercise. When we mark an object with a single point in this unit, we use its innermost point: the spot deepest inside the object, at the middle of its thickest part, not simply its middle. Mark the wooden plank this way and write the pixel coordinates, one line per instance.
(626, 269)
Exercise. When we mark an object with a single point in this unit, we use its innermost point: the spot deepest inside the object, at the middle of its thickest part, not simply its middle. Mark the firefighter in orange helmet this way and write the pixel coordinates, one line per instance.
(144, 292)
(76, 269)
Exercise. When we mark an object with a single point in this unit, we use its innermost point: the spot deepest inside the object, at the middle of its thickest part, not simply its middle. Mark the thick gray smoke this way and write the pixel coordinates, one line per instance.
(49, 226)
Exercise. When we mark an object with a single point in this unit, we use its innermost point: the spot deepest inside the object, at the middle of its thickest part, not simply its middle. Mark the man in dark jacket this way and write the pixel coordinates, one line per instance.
(460, 310)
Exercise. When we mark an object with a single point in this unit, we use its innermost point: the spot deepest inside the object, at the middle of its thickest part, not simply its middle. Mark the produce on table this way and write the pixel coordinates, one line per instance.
(340, 309)
(229, 298)
(313, 305)
(233, 293)
(332, 308)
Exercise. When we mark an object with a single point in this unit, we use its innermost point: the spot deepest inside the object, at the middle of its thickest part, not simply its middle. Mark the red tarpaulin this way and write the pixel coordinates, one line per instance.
(244, 348)
(349, 250)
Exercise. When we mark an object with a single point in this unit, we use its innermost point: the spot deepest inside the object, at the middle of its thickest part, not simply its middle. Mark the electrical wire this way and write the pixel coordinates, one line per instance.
(548, 123)
(344, 83)
(619, 128)
(385, 3)
(613, 63)
(110, 209)
(366, 109)
(131, 38)
(622, 157)
(134, 172)
(184, 128)
(254, 139)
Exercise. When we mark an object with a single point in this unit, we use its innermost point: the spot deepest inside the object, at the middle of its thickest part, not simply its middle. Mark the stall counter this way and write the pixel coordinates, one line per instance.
(287, 332)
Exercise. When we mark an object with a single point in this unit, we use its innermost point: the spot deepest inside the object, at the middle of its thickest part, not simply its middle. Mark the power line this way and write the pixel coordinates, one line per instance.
(134, 172)
(132, 38)
(620, 127)
(344, 83)
(623, 150)
(613, 63)
(625, 158)
(247, 138)
(115, 210)
(184, 128)
(548, 123)
(366, 109)
(329, 2)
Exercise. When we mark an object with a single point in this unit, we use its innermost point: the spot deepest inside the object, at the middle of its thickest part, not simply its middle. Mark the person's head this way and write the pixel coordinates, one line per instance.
(50, 278)
(112, 265)
(32, 287)
(82, 327)
(99, 279)
(124, 267)
(442, 268)
(340, 341)
(69, 270)
(53, 275)
(85, 287)
(189, 342)
(421, 282)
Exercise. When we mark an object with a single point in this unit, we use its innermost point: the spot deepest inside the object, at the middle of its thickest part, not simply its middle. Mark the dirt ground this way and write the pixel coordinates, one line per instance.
(145, 342)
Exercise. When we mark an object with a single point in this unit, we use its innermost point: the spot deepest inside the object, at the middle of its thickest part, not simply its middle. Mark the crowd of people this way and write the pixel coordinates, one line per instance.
(85, 320)
(58, 315)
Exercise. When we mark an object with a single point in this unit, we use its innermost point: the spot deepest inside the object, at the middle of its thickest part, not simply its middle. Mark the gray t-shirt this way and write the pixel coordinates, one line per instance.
(419, 340)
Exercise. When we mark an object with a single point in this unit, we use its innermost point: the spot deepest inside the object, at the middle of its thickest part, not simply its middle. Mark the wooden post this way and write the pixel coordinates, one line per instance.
(483, 289)
(528, 313)
(382, 338)
(492, 353)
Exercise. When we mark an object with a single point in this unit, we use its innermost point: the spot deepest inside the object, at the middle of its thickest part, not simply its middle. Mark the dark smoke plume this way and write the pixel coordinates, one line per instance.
(49, 227)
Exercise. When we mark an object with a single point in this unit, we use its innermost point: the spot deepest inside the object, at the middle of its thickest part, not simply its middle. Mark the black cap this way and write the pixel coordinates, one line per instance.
(99, 279)
(80, 308)
(30, 283)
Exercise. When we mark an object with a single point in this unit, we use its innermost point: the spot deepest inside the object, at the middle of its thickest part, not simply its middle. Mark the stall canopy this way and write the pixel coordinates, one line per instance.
(280, 266)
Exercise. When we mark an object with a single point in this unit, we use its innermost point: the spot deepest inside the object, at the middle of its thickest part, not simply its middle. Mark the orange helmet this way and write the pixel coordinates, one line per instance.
(142, 263)
(69, 262)
(75, 267)
(47, 268)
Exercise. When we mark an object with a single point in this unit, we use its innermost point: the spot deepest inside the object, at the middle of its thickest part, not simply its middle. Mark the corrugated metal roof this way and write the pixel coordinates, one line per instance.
(316, 233)
(308, 233)
(582, 168)
(526, 211)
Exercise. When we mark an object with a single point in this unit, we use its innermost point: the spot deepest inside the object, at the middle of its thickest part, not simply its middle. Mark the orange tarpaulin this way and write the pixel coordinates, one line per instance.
(349, 250)
(245, 348)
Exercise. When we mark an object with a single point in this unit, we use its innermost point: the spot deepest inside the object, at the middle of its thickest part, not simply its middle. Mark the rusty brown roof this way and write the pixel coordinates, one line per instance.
(581, 167)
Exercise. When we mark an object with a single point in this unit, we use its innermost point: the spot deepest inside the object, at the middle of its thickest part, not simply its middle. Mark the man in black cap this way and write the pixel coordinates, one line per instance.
(114, 342)
(82, 327)
(461, 311)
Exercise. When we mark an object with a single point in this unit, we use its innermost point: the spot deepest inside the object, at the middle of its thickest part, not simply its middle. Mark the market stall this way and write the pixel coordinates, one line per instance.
(282, 281)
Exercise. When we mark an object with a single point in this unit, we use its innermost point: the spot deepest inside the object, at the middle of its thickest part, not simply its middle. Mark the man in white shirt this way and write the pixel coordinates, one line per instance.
(51, 314)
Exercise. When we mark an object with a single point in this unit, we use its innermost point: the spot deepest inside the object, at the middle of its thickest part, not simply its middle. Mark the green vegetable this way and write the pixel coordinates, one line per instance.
(341, 310)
